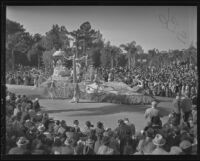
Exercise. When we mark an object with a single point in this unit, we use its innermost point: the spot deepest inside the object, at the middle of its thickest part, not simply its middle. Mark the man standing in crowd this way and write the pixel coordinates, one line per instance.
(152, 112)
(123, 131)
(177, 109)
(186, 107)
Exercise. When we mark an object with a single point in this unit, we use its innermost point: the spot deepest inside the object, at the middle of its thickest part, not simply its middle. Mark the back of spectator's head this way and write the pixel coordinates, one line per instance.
(76, 122)
(126, 120)
(186, 146)
(99, 124)
(155, 120)
(88, 124)
(159, 140)
(175, 150)
(154, 103)
(22, 142)
(63, 123)
(120, 122)
(150, 133)
(57, 122)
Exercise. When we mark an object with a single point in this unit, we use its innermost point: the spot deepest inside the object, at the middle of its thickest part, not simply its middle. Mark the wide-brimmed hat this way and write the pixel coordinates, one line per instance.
(159, 140)
(175, 150)
(185, 144)
(22, 141)
(88, 124)
(41, 128)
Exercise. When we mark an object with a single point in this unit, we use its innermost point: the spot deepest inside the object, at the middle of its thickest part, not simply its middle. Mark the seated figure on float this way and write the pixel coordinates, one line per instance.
(60, 72)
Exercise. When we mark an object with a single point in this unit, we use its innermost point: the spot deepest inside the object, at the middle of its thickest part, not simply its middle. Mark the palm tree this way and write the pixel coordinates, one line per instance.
(132, 50)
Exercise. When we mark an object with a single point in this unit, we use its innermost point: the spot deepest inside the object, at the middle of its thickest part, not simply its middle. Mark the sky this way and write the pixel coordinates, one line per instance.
(161, 27)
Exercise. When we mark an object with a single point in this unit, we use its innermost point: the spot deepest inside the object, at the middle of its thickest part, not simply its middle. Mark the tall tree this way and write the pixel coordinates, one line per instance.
(132, 50)
(56, 38)
(18, 42)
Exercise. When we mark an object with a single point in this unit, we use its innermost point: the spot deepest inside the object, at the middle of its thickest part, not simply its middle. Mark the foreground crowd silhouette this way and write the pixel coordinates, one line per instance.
(29, 130)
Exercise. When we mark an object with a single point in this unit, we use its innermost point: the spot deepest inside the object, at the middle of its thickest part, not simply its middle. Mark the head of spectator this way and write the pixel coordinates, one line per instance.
(121, 122)
(175, 150)
(126, 121)
(88, 124)
(63, 124)
(159, 141)
(22, 142)
(41, 128)
(150, 133)
(99, 125)
(154, 104)
(76, 123)
(186, 146)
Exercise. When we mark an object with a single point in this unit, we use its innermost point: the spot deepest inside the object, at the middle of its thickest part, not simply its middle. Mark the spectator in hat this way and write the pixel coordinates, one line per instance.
(131, 125)
(175, 150)
(145, 145)
(186, 107)
(88, 128)
(186, 147)
(104, 149)
(152, 112)
(99, 128)
(177, 109)
(63, 128)
(36, 105)
(76, 126)
(159, 141)
(123, 131)
(56, 126)
(41, 128)
(21, 147)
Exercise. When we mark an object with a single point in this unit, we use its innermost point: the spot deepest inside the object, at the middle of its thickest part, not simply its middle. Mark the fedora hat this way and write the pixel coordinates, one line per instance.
(22, 141)
(159, 140)
(41, 128)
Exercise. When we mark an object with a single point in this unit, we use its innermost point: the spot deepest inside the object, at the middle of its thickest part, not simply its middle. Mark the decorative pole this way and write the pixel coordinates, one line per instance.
(75, 98)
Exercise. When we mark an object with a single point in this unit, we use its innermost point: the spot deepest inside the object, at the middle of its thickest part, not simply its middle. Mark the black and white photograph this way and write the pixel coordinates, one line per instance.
(101, 80)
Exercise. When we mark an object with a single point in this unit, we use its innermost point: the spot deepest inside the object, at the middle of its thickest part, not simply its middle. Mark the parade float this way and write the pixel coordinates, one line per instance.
(63, 84)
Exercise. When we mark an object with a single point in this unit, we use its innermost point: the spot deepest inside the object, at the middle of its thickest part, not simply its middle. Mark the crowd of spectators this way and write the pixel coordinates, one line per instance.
(30, 130)
(165, 81)
(25, 75)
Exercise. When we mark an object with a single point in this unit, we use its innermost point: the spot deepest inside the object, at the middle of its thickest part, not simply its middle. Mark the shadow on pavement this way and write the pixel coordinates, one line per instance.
(113, 109)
